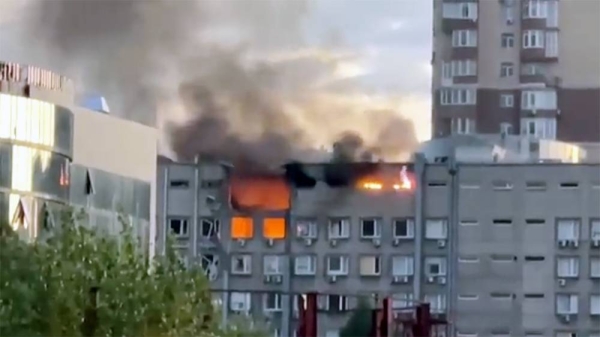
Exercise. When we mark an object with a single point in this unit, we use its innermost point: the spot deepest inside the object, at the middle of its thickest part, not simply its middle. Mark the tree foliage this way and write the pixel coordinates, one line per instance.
(359, 323)
(77, 282)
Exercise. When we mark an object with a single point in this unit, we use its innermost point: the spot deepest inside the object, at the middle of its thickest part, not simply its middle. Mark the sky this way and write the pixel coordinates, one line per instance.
(392, 37)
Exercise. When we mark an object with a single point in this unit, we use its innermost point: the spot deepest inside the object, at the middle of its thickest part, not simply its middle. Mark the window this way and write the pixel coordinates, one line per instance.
(468, 259)
(403, 300)
(241, 264)
(210, 228)
(542, 128)
(210, 265)
(335, 303)
(179, 226)
(459, 11)
(271, 302)
(468, 297)
(507, 100)
(594, 304)
(569, 185)
(595, 230)
(306, 229)
(458, 97)
(370, 266)
(535, 185)
(533, 39)
(538, 100)
(404, 228)
(240, 301)
(568, 229)
(535, 9)
(435, 266)
(505, 222)
(462, 126)
(272, 264)
(457, 68)
(403, 266)
(506, 128)
(332, 333)
(594, 267)
(179, 183)
(507, 69)
(305, 265)
(370, 228)
(567, 267)
(211, 183)
(339, 228)
(242, 228)
(567, 304)
(501, 296)
(535, 221)
(337, 265)
(464, 38)
(436, 229)
(508, 40)
(437, 302)
(274, 228)
(532, 69)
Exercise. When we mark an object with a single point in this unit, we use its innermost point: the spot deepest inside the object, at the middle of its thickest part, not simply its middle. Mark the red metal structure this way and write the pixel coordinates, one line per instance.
(412, 322)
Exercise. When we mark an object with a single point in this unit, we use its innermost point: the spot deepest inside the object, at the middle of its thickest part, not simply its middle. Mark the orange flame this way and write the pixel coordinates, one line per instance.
(270, 193)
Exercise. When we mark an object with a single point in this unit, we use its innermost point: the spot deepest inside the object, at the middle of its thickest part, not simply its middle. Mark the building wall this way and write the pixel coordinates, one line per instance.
(572, 74)
(40, 122)
(487, 263)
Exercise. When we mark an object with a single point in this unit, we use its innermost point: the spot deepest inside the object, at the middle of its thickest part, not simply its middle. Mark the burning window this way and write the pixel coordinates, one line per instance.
(242, 228)
(269, 193)
(274, 228)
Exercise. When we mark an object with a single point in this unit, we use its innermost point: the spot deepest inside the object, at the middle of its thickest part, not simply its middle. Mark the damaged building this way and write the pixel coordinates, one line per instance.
(509, 249)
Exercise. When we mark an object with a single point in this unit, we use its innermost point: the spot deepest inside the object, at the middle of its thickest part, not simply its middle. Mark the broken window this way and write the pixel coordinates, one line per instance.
(210, 228)
(370, 228)
(179, 226)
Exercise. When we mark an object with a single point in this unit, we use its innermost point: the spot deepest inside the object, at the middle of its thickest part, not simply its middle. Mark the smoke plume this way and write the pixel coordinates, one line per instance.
(233, 80)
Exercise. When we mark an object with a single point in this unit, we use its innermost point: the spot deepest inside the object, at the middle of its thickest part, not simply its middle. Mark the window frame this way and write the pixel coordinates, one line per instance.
(247, 264)
(277, 259)
(214, 227)
(505, 102)
(185, 223)
(440, 261)
(464, 38)
(575, 230)
(397, 267)
(344, 232)
(247, 301)
(278, 300)
(429, 222)
(376, 265)
(573, 271)
(507, 40)
(377, 222)
(409, 224)
(312, 264)
(344, 265)
(507, 69)
(573, 300)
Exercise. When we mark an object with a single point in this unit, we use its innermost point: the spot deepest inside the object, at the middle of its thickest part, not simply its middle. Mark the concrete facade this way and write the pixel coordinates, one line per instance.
(480, 242)
(97, 161)
(526, 66)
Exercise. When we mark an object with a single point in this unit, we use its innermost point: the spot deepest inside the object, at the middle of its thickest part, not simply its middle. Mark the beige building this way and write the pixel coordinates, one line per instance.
(54, 151)
(526, 67)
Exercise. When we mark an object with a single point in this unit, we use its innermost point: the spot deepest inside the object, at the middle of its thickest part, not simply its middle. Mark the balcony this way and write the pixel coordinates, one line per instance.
(459, 15)
(539, 46)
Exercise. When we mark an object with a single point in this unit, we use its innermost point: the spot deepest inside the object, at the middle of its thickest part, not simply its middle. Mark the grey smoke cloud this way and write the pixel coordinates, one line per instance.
(252, 90)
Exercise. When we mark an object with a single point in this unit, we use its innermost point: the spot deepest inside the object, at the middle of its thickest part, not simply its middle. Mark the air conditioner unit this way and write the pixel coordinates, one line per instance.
(441, 243)
(562, 282)
(431, 279)
(333, 242)
(308, 242)
(277, 278)
(376, 242)
(596, 243)
(400, 279)
(396, 242)
(566, 318)
(267, 279)
(269, 242)
(574, 243)
(562, 243)
(441, 279)
(332, 278)
(241, 242)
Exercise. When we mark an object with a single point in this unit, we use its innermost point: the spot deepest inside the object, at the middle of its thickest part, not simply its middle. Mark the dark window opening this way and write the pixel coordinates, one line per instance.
(534, 258)
(89, 186)
(369, 227)
(535, 221)
(179, 183)
(502, 221)
(436, 184)
(569, 185)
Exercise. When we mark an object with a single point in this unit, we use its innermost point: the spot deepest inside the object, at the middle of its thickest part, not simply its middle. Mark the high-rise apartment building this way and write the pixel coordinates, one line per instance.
(496, 249)
(526, 67)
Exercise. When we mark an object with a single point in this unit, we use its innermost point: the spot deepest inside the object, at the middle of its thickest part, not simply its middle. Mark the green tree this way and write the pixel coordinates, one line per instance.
(359, 323)
(77, 282)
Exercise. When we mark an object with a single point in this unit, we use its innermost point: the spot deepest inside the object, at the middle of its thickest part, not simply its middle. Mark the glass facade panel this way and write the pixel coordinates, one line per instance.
(110, 192)
(26, 169)
(36, 122)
